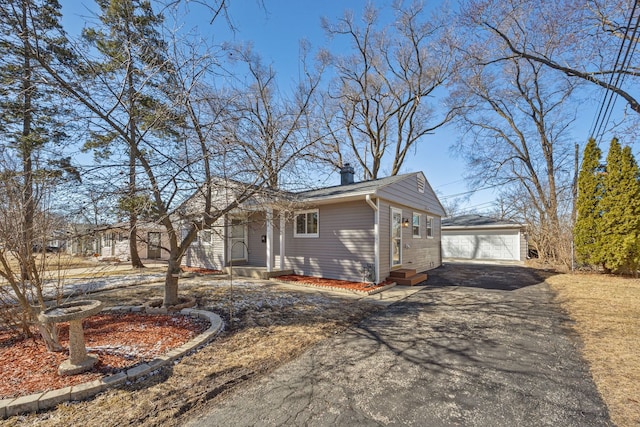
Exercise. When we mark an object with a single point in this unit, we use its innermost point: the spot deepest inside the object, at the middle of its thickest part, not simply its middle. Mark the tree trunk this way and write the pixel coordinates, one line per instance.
(171, 282)
(26, 154)
(48, 331)
(136, 262)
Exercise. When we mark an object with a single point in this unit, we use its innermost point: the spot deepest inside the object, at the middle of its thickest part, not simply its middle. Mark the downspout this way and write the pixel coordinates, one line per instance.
(282, 236)
(269, 242)
(376, 237)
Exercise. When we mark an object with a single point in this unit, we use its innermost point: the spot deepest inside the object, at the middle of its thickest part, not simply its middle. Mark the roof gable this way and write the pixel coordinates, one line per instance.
(411, 189)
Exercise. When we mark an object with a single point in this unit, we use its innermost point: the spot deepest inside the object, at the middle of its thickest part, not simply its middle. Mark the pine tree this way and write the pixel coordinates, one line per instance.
(131, 66)
(31, 126)
(590, 189)
(620, 206)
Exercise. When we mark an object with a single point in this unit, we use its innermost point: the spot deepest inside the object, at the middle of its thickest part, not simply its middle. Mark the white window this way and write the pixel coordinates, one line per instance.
(306, 223)
(429, 227)
(183, 232)
(416, 224)
(396, 237)
(107, 239)
(204, 237)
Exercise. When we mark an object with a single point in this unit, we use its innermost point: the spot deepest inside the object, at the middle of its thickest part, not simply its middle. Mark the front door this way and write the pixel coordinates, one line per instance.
(153, 245)
(237, 239)
(396, 237)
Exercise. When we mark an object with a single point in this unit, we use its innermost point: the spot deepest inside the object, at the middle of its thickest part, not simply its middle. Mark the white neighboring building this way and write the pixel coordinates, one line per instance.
(480, 238)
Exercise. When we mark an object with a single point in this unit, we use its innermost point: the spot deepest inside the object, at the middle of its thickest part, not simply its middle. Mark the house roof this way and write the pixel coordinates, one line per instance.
(348, 190)
(478, 221)
(336, 193)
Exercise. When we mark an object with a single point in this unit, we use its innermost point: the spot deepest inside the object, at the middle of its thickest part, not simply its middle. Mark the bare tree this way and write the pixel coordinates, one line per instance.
(592, 40)
(380, 95)
(515, 123)
(216, 164)
(208, 166)
(272, 124)
(23, 262)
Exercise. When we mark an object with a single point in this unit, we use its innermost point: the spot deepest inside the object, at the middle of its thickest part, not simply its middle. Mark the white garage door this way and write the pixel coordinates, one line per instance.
(489, 245)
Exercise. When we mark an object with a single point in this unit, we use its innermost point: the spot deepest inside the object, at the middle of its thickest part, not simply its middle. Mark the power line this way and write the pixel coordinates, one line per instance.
(620, 79)
(470, 191)
(609, 97)
(607, 93)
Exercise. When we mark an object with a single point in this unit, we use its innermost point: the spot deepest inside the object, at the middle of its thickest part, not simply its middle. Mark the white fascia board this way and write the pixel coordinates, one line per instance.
(482, 227)
(325, 200)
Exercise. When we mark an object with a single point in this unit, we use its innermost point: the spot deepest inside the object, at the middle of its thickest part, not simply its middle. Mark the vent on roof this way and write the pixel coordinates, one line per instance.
(421, 182)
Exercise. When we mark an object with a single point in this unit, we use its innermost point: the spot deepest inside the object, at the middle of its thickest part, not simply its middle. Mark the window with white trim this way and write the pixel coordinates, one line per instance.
(416, 224)
(306, 223)
(429, 227)
(204, 237)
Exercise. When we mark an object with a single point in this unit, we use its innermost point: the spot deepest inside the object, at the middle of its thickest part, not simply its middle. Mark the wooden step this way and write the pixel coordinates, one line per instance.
(403, 273)
(410, 281)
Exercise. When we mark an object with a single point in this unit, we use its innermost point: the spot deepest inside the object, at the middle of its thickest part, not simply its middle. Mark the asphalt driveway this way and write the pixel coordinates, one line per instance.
(478, 346)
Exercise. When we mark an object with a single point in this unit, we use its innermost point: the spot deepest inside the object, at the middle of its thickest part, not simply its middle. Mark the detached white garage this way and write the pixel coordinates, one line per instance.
(480, 238)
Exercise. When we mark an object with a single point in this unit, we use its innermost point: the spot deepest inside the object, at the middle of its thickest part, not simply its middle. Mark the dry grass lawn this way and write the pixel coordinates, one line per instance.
(55, 261)
(606, 311)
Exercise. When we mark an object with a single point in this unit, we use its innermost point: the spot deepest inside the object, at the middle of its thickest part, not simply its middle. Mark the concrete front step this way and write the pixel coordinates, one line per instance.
(402, 273)
(410, 281)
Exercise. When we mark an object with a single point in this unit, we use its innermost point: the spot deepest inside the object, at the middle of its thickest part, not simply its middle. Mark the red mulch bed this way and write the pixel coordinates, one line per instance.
(332, 283)
(199, 270)
(120, 341)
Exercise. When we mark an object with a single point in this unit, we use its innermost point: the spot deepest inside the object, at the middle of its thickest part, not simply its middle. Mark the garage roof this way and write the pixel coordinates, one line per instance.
(478, 221)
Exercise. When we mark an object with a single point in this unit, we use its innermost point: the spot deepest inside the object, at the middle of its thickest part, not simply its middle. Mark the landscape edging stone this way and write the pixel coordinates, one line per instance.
(51, 398)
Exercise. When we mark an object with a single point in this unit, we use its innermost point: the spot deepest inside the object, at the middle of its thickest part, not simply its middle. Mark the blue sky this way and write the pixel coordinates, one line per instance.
(276, 30)
(275, 27)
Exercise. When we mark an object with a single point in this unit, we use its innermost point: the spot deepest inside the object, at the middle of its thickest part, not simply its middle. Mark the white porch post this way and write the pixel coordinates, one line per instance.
(282, 225)
(376, 236)
(376, 232)
(269, 240)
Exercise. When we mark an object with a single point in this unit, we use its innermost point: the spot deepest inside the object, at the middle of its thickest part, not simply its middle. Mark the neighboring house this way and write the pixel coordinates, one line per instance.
(81, 240)
(480, 238)
(113, 241)
(354, 231)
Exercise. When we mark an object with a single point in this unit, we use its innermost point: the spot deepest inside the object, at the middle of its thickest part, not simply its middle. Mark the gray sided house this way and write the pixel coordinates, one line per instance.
(112, 241)
(481, 238)
(358, 231)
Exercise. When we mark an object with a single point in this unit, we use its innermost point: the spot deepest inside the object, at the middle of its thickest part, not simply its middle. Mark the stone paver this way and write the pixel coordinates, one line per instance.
(23, 404)
(494, 353)
(53, 397)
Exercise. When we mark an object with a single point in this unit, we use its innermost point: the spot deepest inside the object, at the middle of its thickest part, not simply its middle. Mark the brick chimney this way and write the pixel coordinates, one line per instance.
(346, 174)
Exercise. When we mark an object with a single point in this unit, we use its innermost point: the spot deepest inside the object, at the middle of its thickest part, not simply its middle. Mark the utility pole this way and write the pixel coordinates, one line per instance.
(574, 186)
(574, 212)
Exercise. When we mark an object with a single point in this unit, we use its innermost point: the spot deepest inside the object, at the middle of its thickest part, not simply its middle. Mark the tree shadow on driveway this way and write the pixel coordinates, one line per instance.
(480, 345)
(487, 276)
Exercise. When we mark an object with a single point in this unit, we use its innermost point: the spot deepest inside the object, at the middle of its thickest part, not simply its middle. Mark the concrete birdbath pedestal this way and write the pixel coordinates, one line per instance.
(73, 312)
